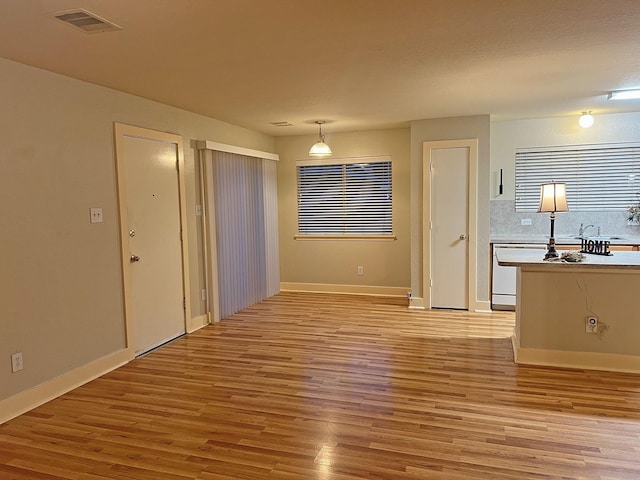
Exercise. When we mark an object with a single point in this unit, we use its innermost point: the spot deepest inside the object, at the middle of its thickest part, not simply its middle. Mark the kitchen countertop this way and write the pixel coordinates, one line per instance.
(522, 257)
(560, 239)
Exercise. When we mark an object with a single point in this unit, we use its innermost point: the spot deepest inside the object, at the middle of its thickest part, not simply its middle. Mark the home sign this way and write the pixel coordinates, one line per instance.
(596, 247)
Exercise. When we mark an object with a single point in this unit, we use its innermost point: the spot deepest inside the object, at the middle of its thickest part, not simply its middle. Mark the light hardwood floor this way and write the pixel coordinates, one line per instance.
(310, 386)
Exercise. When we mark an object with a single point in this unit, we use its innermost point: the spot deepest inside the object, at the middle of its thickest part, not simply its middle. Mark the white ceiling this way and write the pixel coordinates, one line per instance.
(360, 64)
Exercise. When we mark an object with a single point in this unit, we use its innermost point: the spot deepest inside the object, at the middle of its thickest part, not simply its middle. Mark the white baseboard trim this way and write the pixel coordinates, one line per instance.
(515, 345)
(417, 303)
(611, 362)
(482, 306)
(198, 322)
(34, 397)
(344, 289)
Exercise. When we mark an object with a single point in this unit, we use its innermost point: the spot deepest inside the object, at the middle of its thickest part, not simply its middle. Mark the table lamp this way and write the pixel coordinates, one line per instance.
(553, 198)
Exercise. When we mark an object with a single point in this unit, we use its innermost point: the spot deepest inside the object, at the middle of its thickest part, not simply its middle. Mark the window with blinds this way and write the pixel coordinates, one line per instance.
(603, 177)
(345, 197)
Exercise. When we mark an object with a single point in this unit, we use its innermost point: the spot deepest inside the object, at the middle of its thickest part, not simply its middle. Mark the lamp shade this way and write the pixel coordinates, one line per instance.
(553, 198)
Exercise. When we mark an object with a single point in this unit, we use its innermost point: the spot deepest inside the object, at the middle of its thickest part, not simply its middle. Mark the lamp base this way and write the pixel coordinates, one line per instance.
(551, 246)
(551, 254)
(551, 250)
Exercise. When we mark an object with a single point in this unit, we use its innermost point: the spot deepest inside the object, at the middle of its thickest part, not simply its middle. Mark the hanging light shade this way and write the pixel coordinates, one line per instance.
(320, 148)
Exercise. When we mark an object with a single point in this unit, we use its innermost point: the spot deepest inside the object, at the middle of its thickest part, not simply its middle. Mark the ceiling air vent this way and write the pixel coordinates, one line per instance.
(86, 21)
(282, 124)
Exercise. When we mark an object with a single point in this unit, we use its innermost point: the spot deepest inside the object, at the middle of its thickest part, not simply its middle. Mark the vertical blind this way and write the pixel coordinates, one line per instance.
(345, 196)
(271, 235)
(601, 177)
(245, 199)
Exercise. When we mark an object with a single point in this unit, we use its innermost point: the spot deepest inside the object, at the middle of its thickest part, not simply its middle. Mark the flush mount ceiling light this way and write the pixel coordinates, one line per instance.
(586, 119)
(320, 148)
(624, 95)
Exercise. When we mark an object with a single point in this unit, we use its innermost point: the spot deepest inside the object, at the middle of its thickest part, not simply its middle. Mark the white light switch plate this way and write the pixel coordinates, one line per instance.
(96, 215)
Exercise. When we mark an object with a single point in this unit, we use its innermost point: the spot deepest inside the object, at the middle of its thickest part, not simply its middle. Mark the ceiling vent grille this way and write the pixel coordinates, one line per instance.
(86, 21)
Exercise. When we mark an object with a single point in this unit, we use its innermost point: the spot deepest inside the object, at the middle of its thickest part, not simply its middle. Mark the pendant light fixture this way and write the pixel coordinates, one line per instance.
(320, 148)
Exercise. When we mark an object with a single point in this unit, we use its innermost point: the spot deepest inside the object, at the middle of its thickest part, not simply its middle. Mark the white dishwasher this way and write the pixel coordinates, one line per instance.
(503, 279)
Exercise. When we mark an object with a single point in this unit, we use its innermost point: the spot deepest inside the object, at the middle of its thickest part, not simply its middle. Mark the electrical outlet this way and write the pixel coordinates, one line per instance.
(591, 324)
(96, 215)
(360, 270)
(16, 362)
(525, 221)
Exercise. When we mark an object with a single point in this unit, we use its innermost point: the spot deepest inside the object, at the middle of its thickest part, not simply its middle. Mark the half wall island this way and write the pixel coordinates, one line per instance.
(554, 300)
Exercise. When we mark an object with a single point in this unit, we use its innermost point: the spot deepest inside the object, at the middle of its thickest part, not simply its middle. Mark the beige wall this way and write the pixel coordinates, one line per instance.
(386, 263)
(456, 128)
(61, 299)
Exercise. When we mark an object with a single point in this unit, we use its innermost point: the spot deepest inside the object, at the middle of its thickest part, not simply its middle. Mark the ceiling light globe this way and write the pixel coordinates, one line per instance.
(320, 149)
(586, 120)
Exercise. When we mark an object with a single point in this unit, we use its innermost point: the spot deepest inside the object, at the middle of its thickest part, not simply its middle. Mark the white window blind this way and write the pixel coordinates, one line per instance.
(345, 196)
(602, 177)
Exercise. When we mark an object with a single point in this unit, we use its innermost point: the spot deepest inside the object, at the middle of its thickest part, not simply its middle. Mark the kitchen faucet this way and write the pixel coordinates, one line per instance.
(583, 229)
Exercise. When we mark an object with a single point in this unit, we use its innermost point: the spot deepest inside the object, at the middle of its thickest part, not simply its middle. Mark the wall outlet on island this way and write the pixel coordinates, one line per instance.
(525, 221)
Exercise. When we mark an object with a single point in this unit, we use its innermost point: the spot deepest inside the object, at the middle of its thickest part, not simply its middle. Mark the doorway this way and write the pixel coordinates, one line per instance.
(151, 198)
(449, 226)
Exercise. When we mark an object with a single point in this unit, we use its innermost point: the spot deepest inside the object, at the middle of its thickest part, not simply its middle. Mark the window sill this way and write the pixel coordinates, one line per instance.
(346, 237)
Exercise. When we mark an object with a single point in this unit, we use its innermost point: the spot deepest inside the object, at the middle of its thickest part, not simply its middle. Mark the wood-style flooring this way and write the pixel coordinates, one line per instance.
(329, 387)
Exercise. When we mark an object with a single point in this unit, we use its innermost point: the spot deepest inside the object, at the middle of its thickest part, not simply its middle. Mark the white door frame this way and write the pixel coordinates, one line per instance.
(472, 244)
(121, 131)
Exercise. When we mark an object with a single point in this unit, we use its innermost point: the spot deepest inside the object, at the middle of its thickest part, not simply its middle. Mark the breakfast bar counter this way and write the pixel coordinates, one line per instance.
(554, 299)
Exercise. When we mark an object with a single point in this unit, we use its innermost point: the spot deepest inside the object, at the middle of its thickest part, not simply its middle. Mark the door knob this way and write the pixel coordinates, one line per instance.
(463, 236)
(134, 258)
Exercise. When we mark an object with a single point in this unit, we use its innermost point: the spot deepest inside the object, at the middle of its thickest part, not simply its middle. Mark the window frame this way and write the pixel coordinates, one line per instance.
(343, 185)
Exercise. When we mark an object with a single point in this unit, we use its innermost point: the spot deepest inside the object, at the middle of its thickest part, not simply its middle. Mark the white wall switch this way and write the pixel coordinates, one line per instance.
(198, 210)
(525, 221)
(96, 215)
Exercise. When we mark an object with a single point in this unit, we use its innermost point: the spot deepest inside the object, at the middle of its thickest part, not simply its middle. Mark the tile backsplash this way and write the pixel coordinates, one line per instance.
(504, 221)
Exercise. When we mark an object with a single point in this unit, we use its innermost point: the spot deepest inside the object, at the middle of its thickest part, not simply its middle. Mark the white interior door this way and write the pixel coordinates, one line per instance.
(156, 293)
(450, 227)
